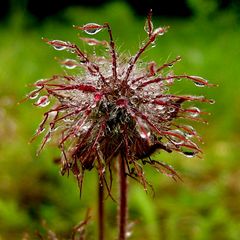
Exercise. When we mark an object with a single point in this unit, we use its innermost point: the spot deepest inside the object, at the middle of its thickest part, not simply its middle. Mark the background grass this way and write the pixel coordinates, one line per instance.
(205, 206)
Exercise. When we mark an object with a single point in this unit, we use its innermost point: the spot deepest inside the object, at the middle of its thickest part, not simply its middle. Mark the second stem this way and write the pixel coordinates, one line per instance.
(123, 208)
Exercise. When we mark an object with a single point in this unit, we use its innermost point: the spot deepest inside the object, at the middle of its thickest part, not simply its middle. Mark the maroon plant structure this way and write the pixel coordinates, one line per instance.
(115, 113)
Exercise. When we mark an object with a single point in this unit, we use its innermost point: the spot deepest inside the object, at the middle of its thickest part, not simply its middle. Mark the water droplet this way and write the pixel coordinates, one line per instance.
(133, 86)
(103, 169)
(189, 154)
(68, 120)
(177, 136)
(48, 139)
(70, 63)
(170, 65)
(144, 134)
(59, 48)
(58, 45)
(134, 99)
(53, 114)
(86, 126)
(94, 42)
(39, 83)
(93, 105)
(33, 95)
(143, 129)
(39, 131)
(194, 111)
(161, 33)
(153, 44)
(199, 81)
(171, 109)
(211, 101)
(42, 101)
(108, 80)
(166, 116)
(148, 27)
(158, 32)
(199, 84)
(178, 58)
(170, 78)
(189, 131)
(170, 81)
(54, 129)
(92, 28)
(160, 107)
(199, 98)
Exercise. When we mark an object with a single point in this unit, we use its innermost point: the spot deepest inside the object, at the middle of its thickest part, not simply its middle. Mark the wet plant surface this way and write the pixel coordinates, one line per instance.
(198, 207)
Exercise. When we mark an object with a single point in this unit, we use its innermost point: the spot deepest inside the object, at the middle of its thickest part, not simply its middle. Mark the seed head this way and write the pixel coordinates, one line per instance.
(116, 105)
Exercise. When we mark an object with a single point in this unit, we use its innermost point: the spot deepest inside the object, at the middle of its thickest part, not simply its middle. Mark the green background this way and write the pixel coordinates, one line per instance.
(206, 205)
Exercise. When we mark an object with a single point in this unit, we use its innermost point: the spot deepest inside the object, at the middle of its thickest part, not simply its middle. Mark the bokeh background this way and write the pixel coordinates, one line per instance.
(206, 33)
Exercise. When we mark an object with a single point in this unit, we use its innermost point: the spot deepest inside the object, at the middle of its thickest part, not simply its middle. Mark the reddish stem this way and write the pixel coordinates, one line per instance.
(101, 211)
(122, 211)
(113, 52)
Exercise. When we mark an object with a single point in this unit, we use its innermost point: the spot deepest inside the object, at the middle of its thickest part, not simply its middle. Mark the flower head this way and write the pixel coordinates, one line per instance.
(116, 106)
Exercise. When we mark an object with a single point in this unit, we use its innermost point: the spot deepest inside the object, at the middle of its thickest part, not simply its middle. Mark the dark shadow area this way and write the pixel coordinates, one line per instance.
(4, 9)
(43, 9)
(175, 8)
(40, 10)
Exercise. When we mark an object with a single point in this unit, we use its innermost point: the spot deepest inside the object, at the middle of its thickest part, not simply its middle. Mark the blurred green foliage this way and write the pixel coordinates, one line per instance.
(203, 8)
(205, 206)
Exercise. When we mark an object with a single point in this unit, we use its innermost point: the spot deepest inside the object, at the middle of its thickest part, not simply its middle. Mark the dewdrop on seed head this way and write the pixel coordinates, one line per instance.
(70, 63)
(59, 45)
(91, 28)
(33, 95)
(177, 137)
(189, 154)
(189, 131)
(148, 27)
(194, 112)
(43, 101)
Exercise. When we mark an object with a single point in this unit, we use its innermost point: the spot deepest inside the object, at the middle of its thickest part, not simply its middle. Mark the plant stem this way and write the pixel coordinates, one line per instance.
(101, 210)
(123, 209)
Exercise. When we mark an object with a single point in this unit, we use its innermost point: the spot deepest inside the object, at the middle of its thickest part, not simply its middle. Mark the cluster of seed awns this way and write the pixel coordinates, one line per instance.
(116, 106)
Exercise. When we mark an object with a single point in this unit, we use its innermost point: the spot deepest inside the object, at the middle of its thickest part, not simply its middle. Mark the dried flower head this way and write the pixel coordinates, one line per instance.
(116, 106)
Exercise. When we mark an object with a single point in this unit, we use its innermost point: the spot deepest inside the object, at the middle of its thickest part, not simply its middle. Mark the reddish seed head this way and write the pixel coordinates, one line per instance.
(116, 106)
